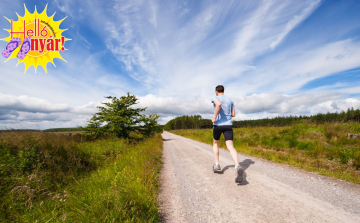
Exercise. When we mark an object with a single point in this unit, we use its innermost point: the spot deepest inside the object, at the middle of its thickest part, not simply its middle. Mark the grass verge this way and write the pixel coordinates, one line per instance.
(323, 149)
(47, 177)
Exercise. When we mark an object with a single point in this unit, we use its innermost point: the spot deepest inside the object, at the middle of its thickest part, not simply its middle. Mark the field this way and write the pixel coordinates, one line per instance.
(48, 177)
(324, 148)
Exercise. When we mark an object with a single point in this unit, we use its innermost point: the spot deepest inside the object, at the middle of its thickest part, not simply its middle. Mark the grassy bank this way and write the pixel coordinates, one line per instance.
(320, 148)
(46, 177)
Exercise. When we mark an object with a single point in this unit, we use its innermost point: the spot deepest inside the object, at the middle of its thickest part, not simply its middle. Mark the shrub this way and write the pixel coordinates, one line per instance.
(119, 117)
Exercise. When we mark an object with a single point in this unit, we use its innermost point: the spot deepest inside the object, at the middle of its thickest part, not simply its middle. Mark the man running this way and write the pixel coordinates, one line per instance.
(224, 111)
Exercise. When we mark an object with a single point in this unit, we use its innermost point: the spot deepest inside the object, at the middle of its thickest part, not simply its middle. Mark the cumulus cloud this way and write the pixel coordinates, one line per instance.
(35, 117)
(282, 103)
(174, 106)
(6, 114)
(252, 107)
(30, 104)
(41, 113)
(337, 106)
(32, 112)
(87, 109)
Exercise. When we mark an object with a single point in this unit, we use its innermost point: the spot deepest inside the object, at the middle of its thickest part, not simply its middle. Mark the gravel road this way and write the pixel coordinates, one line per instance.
(191, 192)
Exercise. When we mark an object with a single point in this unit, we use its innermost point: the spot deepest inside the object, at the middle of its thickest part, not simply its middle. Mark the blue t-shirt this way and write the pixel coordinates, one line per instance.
(224, 117)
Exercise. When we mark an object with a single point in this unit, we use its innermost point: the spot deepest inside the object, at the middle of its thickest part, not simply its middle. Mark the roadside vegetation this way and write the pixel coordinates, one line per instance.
(322, 148)
(110, 173)
(48, 177)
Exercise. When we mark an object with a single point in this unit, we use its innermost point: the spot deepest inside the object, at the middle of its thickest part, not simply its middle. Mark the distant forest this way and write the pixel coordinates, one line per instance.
(197, 122)
(71, 129)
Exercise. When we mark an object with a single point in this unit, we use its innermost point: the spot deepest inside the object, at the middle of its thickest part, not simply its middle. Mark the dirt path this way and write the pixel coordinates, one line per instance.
(191, 192)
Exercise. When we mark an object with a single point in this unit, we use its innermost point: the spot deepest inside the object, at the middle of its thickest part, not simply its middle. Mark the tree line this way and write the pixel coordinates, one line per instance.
(188, 122)
(197, 122)
(70, 129)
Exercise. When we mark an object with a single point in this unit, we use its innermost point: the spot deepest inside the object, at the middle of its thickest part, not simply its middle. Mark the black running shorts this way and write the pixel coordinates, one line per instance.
(226, 129)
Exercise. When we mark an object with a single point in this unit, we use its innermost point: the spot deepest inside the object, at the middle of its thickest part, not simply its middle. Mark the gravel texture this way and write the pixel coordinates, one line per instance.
(192, 192)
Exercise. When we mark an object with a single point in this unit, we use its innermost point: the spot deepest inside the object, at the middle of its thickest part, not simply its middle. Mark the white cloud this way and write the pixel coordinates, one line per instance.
(32, 112)
(87, 109)
(163, 51)
(296, 20)
(333, 106)
(196, 69)
(252, 107)
(30, 104)
(35, 117)
(154, 9)
(174, 106)
(282, 103)
(21, 111)
(294, 67)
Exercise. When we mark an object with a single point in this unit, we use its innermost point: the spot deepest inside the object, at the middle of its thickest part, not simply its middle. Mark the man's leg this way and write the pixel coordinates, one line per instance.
(216, 150)
(230, 147)
(239, 172)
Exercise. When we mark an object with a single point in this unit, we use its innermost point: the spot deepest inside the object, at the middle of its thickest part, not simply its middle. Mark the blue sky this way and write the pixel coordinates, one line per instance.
(275, 58)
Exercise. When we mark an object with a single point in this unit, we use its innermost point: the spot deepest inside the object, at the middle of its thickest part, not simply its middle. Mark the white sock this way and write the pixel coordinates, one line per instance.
(237, 166)
(217, 163)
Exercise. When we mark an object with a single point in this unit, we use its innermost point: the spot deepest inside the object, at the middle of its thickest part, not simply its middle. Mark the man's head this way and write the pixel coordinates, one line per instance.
(219, 89)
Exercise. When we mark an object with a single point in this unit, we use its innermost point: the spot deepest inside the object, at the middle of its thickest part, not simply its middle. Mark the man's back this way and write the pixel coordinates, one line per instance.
(224, 117)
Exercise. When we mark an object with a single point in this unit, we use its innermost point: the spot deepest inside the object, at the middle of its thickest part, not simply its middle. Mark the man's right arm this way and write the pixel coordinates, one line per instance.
(217, 109)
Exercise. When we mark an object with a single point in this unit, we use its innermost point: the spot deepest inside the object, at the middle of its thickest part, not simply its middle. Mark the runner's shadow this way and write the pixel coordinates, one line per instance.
(244, 165)
(167, 139)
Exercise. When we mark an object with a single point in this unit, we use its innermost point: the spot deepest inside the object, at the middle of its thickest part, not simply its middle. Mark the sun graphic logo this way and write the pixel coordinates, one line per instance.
(35, 39)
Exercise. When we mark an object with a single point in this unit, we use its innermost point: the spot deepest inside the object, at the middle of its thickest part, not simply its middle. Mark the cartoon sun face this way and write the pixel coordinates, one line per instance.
(41, 39)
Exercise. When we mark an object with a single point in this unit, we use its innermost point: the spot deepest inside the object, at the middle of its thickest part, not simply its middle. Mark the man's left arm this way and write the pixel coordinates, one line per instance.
(232, 109)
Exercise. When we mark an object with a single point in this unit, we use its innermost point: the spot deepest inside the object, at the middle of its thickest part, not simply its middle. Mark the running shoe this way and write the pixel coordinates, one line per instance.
(216, 167)
(239, 174)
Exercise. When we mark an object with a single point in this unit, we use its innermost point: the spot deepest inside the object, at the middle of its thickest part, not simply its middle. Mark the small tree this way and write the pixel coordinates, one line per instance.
(150, 125)
(120, 118)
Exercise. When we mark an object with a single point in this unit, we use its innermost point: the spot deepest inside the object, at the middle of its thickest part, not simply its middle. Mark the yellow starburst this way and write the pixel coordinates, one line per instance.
(46, 38)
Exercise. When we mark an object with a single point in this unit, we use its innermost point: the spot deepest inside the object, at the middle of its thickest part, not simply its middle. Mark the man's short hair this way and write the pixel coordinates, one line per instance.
(220, 89)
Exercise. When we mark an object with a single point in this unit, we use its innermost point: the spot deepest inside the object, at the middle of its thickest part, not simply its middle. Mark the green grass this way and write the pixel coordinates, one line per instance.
(47, 177)
(319, 148)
